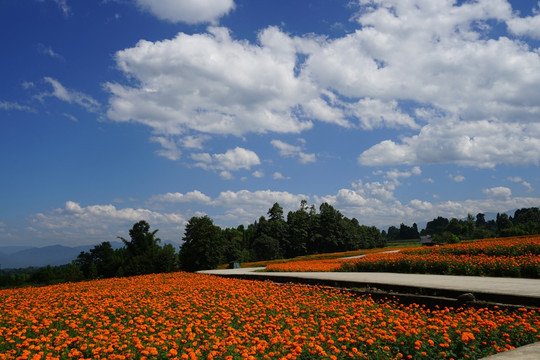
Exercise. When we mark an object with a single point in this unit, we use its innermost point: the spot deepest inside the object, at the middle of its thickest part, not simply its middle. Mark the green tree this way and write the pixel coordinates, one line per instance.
(480, 220)
(277, 229)
(408, 232)
(503, 222)
(528, 219)
(436, 226)
(142, 250)
(455, 227)
(330, 229)
(275, 213)
(299, 232)
(266, 247)
(166, 259)
(393, 233)
(104, 259)
(203, 245)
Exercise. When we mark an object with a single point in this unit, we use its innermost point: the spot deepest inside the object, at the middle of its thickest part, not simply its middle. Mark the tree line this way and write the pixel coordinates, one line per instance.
(302, 232)
(525, 221)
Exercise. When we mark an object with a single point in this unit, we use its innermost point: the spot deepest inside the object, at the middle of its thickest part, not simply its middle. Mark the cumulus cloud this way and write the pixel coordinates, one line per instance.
(195, 196)
(371, 203)
(258, 198)
(482, 144)
(528, 186)
(279, 176)
(499, 192)
(211, 83)
(376, 190)
(169, 149)
(437, 69)
(194, 142)
(97, 222)
(481, 84)
(373, 113)
(457, 178)
(232, 160)
(71, 96)
(258, 174)
(395, 174)
(420, 205)
(188, 11)
(288, 150)
(527, 26)
(370, 208)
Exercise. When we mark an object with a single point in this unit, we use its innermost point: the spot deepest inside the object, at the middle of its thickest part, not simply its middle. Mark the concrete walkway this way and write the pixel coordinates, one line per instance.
(490, 289)
(502, 290)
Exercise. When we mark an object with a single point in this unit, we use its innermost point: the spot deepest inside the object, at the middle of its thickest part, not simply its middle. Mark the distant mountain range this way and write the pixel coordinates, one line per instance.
(14, 257)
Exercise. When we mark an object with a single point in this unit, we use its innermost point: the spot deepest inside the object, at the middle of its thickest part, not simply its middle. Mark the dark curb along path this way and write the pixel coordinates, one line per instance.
(439, 288)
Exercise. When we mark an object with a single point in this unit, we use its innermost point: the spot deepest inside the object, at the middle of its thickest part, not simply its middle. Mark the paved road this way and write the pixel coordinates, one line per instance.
(506, 290)
(483, 287)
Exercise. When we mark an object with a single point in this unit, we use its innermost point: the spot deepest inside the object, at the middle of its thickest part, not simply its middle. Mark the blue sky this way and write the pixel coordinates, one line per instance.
(392, 111)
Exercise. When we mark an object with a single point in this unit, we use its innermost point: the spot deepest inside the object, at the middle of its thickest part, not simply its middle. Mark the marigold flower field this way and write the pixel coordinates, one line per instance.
(509, 257)
(195, 316)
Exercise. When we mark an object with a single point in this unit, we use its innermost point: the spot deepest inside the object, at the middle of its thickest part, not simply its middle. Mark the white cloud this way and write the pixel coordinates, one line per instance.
(499, 192)
(232, 160)
(66, 10)
(370, 209)
(6, 105)
(363, 201)
(528, 186)
(527, 26)
(436, 68)
(514, 178)
(71, 117)
(212, 84)
(188, 11)
(457, 178)
(170, 148)
(95, 223)
(288, 150)
(279, 176)
(373, 113)
(47, 50)
(194, 142)
(226, 175)
(482, 144)
(395, 174)
(244, 206)
(192, 197)
(420, 205)
(71, 96)
(436, 53)
(258, 198)
(258, 174)
(348, 197)
(383, 191)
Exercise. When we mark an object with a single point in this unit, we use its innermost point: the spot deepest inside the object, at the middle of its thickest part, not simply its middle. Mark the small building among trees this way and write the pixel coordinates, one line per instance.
(426, 240)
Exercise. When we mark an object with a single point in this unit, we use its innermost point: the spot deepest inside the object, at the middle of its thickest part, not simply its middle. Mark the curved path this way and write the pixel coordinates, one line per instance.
(499, 290)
